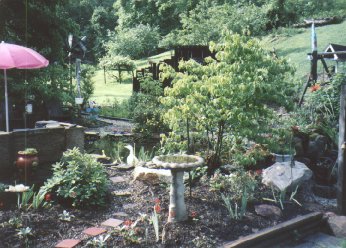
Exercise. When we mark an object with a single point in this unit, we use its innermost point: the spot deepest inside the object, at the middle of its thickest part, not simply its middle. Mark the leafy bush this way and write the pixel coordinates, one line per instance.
(146, 109)
(321, 108)
(115, 109)
(113, 149)
(206, 22)
(250, 157)
(80, 178)
(234, 185)
(141, 40)
(118, 63)
(228, 96)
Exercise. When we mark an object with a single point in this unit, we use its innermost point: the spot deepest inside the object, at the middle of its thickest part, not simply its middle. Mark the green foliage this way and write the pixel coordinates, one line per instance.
(115, 109)
(87, 85)
(207, 21)
(249, 157)
(3, 187)
(144, 155)
(234, 212)
(321, 108)
(80, 178)
(279, 197)
(155, 221)
(37, 200)
(235, 185)
(99, 242)
(146, 109)
(227, 95)
(66, 216)
(24, 234)
(25, 199)
(111, 148)
(118, 63)
(162, 13)
(28, 151)
(141, 40)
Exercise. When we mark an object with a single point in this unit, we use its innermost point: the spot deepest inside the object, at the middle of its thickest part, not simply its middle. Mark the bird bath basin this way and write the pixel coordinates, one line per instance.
(177, 163)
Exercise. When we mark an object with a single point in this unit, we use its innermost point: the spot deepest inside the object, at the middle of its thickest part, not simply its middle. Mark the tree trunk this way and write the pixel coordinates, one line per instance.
(119, 71)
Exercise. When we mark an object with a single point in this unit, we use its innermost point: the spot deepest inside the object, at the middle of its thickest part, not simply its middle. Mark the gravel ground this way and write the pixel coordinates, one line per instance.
(113, 126)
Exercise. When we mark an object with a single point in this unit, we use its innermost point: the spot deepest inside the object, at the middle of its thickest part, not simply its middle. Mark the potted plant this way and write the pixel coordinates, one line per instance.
(26, 160)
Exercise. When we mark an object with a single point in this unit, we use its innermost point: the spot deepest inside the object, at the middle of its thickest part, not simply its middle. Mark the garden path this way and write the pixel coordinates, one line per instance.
(106, 226)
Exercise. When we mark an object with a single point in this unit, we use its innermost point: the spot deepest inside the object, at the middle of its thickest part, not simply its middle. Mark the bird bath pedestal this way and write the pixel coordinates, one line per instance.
(177, 164)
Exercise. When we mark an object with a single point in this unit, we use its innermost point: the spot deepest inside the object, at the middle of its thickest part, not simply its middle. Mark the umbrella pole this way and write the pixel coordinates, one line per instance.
(6, 102)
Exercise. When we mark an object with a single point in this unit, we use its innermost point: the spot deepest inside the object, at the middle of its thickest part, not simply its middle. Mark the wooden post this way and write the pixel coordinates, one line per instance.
(104, 74)
(341, 185)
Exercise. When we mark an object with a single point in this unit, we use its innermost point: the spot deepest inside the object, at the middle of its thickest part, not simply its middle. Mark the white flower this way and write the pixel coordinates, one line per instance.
(17, 188)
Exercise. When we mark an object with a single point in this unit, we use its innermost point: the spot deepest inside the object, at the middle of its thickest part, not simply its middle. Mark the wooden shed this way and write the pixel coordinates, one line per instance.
(340, 59)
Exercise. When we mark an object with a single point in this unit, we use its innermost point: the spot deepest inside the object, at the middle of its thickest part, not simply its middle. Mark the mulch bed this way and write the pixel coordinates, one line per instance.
(210, 227)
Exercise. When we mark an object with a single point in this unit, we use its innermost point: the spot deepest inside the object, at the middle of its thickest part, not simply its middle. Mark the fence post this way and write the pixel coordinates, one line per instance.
(341, 184)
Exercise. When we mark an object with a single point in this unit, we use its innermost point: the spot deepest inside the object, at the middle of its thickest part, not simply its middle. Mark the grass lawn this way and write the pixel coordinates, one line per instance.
(297, 46)
(106, 93)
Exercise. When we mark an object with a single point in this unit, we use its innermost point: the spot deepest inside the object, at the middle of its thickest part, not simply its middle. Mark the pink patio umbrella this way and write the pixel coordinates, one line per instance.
(14, 56)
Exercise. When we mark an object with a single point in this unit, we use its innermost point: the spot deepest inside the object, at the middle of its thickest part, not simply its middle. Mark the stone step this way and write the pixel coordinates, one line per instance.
(319, 240)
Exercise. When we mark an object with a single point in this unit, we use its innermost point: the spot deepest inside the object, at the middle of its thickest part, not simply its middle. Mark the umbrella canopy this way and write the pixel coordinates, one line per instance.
(14, 56)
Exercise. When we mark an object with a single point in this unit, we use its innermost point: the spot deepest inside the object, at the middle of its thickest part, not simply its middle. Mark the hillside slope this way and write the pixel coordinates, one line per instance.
(296, 47)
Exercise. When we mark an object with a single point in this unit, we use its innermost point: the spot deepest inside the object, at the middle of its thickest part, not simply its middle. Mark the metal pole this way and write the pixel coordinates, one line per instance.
(78, 61)
(69, 63)
(6, 103)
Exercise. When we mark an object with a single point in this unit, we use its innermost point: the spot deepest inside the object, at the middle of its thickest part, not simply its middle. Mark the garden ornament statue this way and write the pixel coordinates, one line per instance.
(177, 163)
(131, 159)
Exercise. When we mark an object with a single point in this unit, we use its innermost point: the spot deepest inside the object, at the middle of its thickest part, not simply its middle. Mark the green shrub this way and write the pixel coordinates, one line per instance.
(139, 41)
(234, 185)
(146, 109)
(227, 96)
(115, 109)
(80, 178)
(321, 108)
(251, 156)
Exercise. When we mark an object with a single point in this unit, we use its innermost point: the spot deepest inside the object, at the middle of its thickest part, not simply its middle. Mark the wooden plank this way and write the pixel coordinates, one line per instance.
(279, 232)
(306, 85)
(341, 184)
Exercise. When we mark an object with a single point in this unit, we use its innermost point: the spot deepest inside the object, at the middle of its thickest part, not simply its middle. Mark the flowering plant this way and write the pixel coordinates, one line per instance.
(315, 87)
(155, 218)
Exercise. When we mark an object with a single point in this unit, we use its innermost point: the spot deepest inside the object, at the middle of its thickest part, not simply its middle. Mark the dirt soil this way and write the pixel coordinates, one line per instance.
(209, 224)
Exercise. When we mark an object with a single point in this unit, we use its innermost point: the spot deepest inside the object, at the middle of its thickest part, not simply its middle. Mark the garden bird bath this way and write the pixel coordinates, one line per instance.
(177, 164)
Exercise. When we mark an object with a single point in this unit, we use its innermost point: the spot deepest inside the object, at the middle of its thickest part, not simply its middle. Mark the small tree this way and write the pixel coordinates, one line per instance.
(227, 95)
(119, 63)
(139, 41)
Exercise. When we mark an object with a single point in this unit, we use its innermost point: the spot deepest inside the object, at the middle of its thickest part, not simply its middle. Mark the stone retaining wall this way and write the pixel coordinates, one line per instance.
(50, 143)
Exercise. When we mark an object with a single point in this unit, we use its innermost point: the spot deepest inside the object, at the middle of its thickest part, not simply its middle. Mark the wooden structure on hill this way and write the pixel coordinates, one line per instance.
(332, 51)
(197, 53)
(336, 53)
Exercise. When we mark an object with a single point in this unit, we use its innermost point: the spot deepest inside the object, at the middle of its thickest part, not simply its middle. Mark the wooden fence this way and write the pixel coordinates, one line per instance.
(198, 53)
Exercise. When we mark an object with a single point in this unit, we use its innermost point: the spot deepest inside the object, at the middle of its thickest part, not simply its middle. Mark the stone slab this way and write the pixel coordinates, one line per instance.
(117, 179)
(121, 214)
(94, 231)
(112, 222)
(68, 243)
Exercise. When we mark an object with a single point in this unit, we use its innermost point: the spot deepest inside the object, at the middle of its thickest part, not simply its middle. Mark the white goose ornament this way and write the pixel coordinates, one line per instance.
(131, 159)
